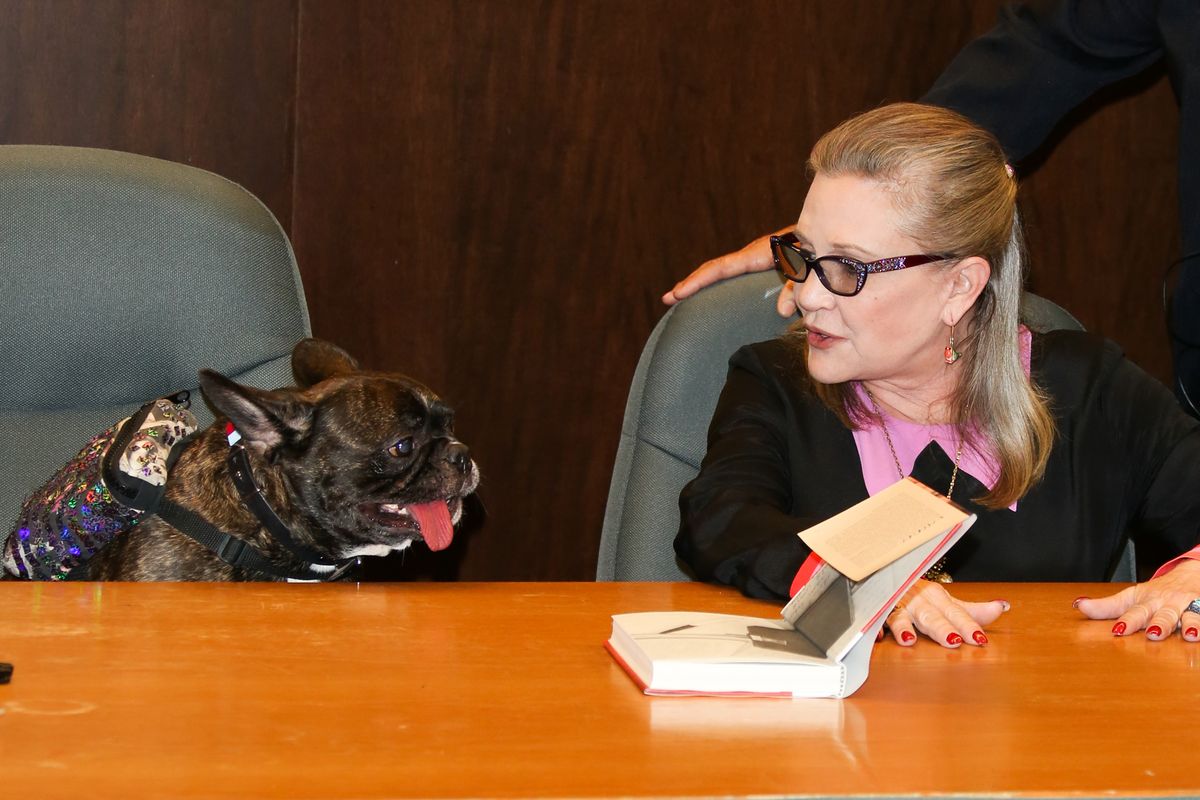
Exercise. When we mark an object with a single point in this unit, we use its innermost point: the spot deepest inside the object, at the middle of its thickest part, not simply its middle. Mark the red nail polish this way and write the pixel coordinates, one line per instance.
(979, 637)
(1119, 629)
(908, 636)
(954, 639)
(1154, 631)
(1079, 600)
(1192, 633)
(879, 635)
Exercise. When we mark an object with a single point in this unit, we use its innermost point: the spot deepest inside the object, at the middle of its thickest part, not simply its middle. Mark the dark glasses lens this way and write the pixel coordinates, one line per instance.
(789, 262)
(788, 258)
(838, 275)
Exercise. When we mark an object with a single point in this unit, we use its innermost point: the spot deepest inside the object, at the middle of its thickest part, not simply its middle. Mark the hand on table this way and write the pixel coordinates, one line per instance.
(754, 257)
(1158, 605)
(929, 609)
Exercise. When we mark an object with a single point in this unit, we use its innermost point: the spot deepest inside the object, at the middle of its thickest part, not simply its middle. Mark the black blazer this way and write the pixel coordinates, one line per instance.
(1126, 462)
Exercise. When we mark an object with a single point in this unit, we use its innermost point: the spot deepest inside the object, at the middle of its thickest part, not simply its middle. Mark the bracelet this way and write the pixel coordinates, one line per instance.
(938, 572)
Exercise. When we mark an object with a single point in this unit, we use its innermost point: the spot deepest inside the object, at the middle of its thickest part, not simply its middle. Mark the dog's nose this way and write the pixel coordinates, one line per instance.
(459, 455)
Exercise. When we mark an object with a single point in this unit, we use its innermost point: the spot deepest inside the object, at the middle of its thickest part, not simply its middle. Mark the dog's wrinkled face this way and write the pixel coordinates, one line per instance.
(369, 459)
(384, 464)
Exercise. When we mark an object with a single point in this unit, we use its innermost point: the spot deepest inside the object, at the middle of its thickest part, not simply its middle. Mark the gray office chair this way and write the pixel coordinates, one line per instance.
(674, 392)
(120, 277)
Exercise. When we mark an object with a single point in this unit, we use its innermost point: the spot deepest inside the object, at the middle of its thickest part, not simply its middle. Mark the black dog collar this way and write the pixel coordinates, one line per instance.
(254, 500)
(237, 552)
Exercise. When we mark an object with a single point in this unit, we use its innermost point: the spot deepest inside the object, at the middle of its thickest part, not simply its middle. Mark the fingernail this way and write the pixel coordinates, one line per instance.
(879, 635)
(1079, 600)
(1119, 629)
(954, 639)
(979, 638)
(1004, 603)
(1192, 633)
(1154, 631)
(908, 636)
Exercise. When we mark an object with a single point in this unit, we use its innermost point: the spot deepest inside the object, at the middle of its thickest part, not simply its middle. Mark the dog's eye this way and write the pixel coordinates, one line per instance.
(403, 447)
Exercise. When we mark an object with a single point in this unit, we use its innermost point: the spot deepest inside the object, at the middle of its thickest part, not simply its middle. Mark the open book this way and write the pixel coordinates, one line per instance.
(864, 560)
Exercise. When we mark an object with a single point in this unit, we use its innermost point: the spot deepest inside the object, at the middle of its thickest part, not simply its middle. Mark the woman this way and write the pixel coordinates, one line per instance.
(911, 359)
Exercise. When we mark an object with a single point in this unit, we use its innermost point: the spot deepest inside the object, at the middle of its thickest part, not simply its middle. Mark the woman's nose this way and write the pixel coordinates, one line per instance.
(811, 294)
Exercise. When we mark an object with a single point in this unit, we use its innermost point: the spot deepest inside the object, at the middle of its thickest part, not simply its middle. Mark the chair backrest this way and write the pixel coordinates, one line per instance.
(674, 393)
(664, 433)
(120, 277)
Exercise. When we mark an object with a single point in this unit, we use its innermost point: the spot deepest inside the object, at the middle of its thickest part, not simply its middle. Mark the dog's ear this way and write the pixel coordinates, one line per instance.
(314, 360)
(267, 420)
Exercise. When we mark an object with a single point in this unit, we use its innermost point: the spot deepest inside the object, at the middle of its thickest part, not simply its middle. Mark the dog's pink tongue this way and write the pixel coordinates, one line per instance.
(434, 519)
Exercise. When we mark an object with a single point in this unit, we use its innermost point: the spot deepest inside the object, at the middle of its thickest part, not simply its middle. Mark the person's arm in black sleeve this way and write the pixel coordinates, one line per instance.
(735, 527)
(1041, 60)
(1162, 445)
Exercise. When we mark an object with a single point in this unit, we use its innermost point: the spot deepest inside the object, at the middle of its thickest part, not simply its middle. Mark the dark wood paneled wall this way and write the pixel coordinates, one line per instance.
(209, 84)
(491, 196)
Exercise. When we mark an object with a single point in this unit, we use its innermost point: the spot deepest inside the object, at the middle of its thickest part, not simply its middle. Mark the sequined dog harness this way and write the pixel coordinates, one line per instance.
(118, 479)
(74, 514)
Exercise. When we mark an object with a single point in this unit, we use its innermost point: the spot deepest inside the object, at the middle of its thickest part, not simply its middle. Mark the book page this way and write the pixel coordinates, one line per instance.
(879, 530)
(808, 592)
(697, 636)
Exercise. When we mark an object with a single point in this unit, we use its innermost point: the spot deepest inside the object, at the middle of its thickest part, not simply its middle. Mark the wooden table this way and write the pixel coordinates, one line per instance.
(476, 689)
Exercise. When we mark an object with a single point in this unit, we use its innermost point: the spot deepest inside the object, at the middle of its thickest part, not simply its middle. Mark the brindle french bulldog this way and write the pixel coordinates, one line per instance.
(353, 463)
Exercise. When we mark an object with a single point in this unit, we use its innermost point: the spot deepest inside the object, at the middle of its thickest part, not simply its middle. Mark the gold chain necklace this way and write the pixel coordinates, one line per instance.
(938, 572)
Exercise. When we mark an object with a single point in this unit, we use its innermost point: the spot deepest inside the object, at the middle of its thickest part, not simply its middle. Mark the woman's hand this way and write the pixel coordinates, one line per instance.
(1158, 605)
(754, 257)
(929, 609)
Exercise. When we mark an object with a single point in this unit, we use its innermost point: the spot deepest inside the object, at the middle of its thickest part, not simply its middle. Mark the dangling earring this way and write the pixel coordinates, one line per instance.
(950, 354)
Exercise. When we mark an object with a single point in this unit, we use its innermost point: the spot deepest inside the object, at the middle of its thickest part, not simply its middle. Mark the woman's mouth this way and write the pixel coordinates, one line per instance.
(819, 339)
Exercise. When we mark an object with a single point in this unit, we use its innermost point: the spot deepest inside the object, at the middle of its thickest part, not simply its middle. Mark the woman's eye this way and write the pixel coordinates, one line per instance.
(848, 268)
(403, 447)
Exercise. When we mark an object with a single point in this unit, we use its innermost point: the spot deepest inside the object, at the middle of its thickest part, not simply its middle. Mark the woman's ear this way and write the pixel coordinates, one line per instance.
(967, 280)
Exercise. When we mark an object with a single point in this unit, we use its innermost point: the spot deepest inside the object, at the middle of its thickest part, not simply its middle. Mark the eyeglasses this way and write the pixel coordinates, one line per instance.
(839, 274)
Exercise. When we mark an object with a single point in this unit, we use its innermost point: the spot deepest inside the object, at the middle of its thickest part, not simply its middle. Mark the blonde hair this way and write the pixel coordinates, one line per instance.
(955, 195)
